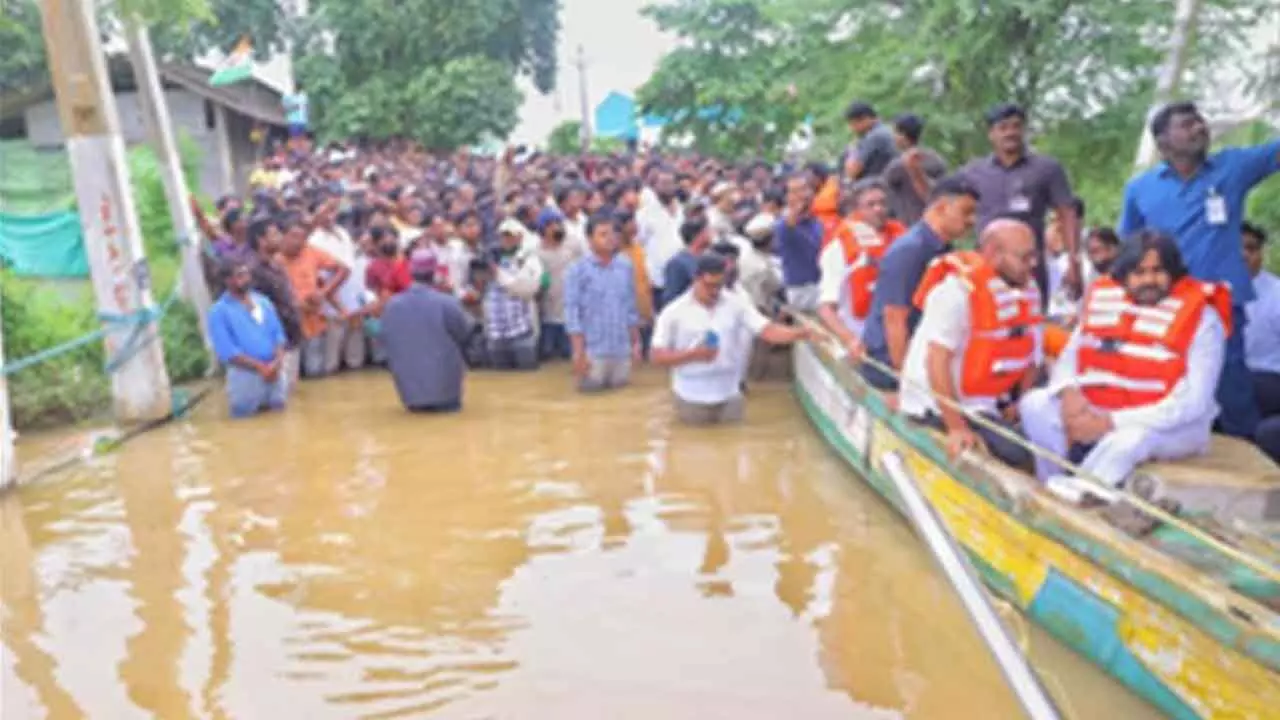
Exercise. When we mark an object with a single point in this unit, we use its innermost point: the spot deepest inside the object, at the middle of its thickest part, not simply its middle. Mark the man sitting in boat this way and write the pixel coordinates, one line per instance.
(1136, 380)
(979, 339)
(953, 206)
(1101, 245)
(850, 262)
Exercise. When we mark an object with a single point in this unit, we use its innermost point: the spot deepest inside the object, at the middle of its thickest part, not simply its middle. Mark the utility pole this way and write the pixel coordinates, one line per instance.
(584, 101)
(1185, 16)
(8, 464)
(155, 113)
(113, 242)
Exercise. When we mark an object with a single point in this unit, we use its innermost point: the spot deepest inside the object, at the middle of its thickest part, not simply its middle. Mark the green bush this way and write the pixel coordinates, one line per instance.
(39, 315)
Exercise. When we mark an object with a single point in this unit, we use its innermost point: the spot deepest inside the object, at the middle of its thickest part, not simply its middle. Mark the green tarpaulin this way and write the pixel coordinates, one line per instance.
(49, 245)
(39, 228)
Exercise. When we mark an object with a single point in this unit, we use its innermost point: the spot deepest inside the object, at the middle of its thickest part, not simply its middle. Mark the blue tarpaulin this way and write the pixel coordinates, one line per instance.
(615, 117)
(48, 245)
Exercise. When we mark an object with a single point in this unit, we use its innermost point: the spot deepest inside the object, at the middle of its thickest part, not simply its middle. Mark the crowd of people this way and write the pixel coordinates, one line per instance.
(1111, 346)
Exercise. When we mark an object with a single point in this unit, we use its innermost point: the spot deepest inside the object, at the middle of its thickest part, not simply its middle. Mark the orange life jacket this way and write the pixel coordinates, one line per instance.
(826, 207)
(863, 248)
(1002, 321)
(1143, 347)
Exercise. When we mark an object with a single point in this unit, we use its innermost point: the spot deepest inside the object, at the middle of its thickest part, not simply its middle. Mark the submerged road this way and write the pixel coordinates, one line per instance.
(543, 555)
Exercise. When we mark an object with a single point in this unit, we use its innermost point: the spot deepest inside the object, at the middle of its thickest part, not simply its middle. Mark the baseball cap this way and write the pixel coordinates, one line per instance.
(510, 226)
(761, 225)
(548, 216)
(422, 261)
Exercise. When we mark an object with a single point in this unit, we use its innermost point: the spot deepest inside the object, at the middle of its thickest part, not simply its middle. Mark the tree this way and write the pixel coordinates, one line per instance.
(220, 25)
(22, 64)
(1081, 68)
(565, 138)
(181, 29)
(728, 88)
(441, 71)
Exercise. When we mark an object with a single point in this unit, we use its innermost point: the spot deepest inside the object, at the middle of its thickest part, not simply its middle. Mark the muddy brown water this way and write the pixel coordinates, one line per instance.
(543, 555)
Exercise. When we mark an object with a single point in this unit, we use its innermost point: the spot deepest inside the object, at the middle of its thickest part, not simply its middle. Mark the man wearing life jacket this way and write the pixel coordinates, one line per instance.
(979, 340)
(850, 262)
(1136, 381)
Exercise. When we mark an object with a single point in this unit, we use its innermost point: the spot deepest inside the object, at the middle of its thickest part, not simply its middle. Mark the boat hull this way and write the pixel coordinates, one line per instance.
(1158, 653)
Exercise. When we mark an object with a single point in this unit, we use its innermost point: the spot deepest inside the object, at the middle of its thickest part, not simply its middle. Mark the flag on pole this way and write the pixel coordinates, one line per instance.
(236, 66)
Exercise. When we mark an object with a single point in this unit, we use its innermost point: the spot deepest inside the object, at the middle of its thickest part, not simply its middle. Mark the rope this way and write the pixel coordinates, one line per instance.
(139, 320)
(1264, 569)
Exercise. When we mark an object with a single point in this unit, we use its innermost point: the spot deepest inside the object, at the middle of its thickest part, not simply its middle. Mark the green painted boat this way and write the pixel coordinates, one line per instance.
(1184, 615)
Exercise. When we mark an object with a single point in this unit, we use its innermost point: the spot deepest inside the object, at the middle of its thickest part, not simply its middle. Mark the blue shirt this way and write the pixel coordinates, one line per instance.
(901, 269)
(799, 246)
(234, 331)
(600, 305)
(1161, 199)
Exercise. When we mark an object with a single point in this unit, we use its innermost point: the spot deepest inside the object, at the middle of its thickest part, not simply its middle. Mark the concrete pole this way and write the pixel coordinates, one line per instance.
(8, 463)
(1181, 41)
(113, 242)
(584, 100)
(155, 113)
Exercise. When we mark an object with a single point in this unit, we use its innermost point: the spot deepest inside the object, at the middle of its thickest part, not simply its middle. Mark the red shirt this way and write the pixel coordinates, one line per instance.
(387, 275)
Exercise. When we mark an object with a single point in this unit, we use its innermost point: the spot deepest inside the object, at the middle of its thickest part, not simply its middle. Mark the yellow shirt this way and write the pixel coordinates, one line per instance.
(644, 293)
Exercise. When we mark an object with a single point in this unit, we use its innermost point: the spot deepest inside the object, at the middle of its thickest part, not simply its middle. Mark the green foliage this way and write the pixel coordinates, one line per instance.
(1082, 68)
(204, 25)
(42, 314)
(565, 138)
(22, 64)
(729, 89)
(441, 72)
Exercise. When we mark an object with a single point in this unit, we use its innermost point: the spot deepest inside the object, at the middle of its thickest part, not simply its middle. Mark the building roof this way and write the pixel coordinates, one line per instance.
(253, 99)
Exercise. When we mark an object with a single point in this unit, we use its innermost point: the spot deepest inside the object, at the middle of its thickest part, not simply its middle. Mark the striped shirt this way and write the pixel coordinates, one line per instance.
(600, 305)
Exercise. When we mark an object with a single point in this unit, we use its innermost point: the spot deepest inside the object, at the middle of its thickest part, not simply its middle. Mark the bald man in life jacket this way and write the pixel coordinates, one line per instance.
(850, 262)
(978, 342)
(1137, 378)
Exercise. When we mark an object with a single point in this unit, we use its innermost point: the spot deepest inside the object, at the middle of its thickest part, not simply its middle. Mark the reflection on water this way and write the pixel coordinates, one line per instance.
(541, 556)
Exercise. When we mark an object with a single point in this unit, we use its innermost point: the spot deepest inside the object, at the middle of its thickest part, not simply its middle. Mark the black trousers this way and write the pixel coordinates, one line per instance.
(1266, 387)
(1002, 448)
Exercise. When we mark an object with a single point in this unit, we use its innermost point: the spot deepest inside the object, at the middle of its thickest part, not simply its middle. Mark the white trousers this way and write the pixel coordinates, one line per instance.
(1118, 453)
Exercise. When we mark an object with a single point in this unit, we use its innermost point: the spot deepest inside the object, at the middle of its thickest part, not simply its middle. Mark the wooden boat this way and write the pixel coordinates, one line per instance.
(1185, 616)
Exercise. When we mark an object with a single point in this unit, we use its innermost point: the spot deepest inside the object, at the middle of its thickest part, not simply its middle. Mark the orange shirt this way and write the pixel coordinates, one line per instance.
(644, 296)
(304, 276)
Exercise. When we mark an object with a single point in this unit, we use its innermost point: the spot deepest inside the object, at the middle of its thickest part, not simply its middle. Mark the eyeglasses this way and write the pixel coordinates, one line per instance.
(1252, 248)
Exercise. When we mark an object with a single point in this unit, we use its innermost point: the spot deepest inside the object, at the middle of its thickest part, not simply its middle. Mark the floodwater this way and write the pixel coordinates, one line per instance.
(543, 555)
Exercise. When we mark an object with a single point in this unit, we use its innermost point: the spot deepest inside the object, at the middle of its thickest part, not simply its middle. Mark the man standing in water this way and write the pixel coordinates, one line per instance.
(249, 341)
(424, 332)
(703, 337)
(600, 312)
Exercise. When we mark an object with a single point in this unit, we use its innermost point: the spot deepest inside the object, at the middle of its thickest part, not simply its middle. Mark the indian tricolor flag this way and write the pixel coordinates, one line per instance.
(237, 66)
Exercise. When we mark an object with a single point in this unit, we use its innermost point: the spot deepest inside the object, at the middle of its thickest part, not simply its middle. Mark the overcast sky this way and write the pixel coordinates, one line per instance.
(622, 49)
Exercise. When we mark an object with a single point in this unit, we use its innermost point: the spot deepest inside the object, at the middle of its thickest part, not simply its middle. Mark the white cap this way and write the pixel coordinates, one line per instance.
(761, 224)
(511, 226)
(720, 188)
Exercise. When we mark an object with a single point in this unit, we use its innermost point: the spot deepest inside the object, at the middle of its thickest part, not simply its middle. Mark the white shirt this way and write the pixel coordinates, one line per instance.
(456, 255)
(1191, 401)
(337, 242)
(833, 285)
(944, 322)
(683, 325)
(659, 235)
(575, 232)
(1262, 331)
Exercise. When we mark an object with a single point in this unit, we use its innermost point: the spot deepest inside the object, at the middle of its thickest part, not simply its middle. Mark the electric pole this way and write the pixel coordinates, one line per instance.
(113, 242)
(155, 114)
(584, 100)
(1181, 40)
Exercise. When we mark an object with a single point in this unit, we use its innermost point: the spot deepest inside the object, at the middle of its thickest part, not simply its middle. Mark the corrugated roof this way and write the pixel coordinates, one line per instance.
(254, 100)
